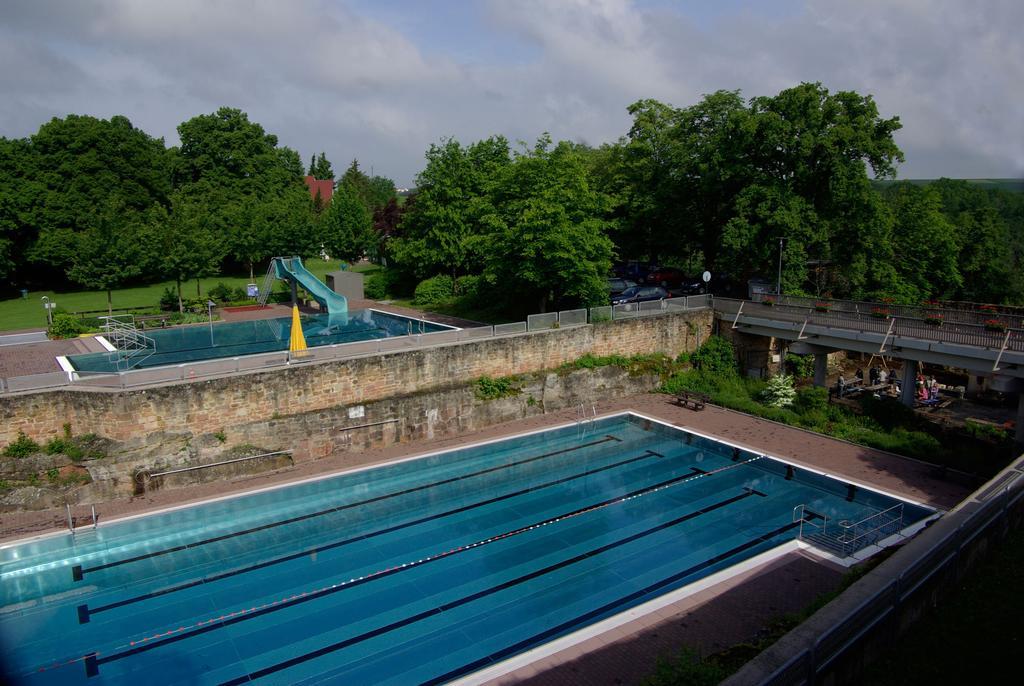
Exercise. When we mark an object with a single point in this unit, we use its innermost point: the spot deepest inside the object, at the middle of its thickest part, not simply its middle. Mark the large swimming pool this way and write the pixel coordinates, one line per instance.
(229, 339)
(417, 572)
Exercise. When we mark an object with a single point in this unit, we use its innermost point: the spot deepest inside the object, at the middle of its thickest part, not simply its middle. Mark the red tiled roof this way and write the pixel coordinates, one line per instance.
(324, 186)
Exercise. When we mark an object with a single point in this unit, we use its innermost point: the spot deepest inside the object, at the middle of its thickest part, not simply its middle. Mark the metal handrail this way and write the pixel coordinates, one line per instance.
(850, 533)
(891, 324)
(144, 475)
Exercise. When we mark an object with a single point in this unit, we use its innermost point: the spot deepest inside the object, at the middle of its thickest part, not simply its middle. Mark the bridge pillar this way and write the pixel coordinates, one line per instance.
(820, 369)
(909, 381)
(1019, 431)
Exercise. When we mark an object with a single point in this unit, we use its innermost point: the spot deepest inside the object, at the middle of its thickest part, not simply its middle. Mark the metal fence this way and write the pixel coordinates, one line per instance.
(833, 645)
(205, 369)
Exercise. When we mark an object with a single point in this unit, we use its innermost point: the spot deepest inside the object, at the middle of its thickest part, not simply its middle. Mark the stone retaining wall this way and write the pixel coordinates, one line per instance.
(224, 404)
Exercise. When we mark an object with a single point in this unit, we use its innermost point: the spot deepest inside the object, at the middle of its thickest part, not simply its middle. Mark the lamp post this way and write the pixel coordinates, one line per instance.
(209, 310)
(49, 310)
(778, 284)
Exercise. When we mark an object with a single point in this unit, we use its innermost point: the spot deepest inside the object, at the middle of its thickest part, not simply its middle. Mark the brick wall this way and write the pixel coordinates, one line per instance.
(219, 404)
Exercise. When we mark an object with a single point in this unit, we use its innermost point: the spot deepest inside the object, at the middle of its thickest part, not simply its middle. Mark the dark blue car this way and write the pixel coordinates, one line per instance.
(639, 294)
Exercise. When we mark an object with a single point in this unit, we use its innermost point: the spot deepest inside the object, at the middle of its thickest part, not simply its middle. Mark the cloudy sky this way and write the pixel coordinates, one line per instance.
(379, 80)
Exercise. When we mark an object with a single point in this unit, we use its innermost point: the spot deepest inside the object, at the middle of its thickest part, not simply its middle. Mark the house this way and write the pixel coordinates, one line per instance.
(323, 187)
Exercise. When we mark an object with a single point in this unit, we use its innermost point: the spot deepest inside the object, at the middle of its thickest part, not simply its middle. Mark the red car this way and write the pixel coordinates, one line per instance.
(667, 277)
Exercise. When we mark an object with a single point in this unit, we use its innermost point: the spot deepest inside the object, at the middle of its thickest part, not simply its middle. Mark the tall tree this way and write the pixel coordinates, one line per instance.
(189, 246)
(347, 227)
(239, 173)
(453, 208)
(547, 238)
(109, 253)
(82, 163)
(724, 178)
(320, 168)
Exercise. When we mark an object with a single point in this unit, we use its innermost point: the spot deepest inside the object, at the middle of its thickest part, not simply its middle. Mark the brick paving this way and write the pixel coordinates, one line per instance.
(39, 358)
(715, 618)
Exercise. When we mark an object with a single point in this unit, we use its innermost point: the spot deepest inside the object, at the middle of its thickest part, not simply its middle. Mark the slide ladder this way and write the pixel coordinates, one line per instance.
(292, 269)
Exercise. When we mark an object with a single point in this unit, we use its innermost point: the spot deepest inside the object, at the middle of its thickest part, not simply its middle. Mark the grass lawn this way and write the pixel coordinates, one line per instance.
(28, 313)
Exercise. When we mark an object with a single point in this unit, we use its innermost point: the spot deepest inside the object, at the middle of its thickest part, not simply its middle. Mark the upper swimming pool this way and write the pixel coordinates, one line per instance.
(417, 572)
(230, 339)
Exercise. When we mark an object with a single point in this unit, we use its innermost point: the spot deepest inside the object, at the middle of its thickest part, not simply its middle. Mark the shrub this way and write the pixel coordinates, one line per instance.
(434, 290)
(800, 366)
(487, 388)
(65, 445)
(779, 391)
(221, 292)
(811, 399)
(65, 326)
(376, 287)
(23, 446)
(715, 356)
(468, 287)
(169, 300)
(687, 668)
(888, 413)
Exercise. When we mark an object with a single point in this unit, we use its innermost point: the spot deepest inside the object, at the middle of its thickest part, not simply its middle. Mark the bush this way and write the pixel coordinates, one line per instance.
(487, 388)
(779, 391)
(65, 326)
(23, 446)
(715, 356)
(221, 292)
(468, 287)
(889, 413)
(811, 399)
(169, 300)
(376, 287)
(435, 290)
(800, 366)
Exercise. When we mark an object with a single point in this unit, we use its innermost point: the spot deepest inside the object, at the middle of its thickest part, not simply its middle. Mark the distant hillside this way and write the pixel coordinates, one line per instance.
(1016, 185)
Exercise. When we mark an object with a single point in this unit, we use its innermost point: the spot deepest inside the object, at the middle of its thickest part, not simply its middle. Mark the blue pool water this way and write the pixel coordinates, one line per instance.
(231, 339)
(416, 572)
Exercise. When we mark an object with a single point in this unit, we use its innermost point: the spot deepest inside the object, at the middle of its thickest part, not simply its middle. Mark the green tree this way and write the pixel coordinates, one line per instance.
(237, 171)
(442, 229)
(20, 193)
(547, 237)
(189, 246)
(346, 229)
(79, 164)
(722, 178)
(925, 244)
(320, 168)
(108, 253)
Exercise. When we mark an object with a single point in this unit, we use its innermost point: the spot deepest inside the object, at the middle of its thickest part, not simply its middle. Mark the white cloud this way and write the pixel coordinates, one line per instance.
(324, 76)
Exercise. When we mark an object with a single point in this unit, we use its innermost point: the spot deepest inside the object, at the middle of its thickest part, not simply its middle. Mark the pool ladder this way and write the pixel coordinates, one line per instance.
(583, 418)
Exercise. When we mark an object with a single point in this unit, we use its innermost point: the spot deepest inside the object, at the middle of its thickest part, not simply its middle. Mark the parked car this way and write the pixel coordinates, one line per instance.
(634, 270)
(617, 285)
(693, 285)
(639, 294)
(666, 277)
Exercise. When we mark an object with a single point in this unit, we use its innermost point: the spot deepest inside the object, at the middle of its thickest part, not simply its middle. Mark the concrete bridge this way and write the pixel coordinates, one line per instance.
(987, 344)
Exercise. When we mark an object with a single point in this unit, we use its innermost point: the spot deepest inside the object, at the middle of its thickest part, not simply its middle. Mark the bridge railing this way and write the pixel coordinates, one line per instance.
(871, 320)
(960, 315)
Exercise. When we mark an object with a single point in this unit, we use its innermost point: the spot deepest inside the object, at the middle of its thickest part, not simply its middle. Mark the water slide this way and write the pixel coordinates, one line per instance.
(292, 269)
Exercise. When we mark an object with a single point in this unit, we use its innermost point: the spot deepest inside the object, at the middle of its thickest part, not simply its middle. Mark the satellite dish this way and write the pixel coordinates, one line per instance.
(706, 277)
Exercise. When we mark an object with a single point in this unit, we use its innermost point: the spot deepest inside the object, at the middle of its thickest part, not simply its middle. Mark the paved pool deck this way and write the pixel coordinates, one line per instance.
(732, 612)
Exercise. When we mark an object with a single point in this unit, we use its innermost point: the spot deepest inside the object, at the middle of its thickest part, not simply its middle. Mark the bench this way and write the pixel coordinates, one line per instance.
(692, 399)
